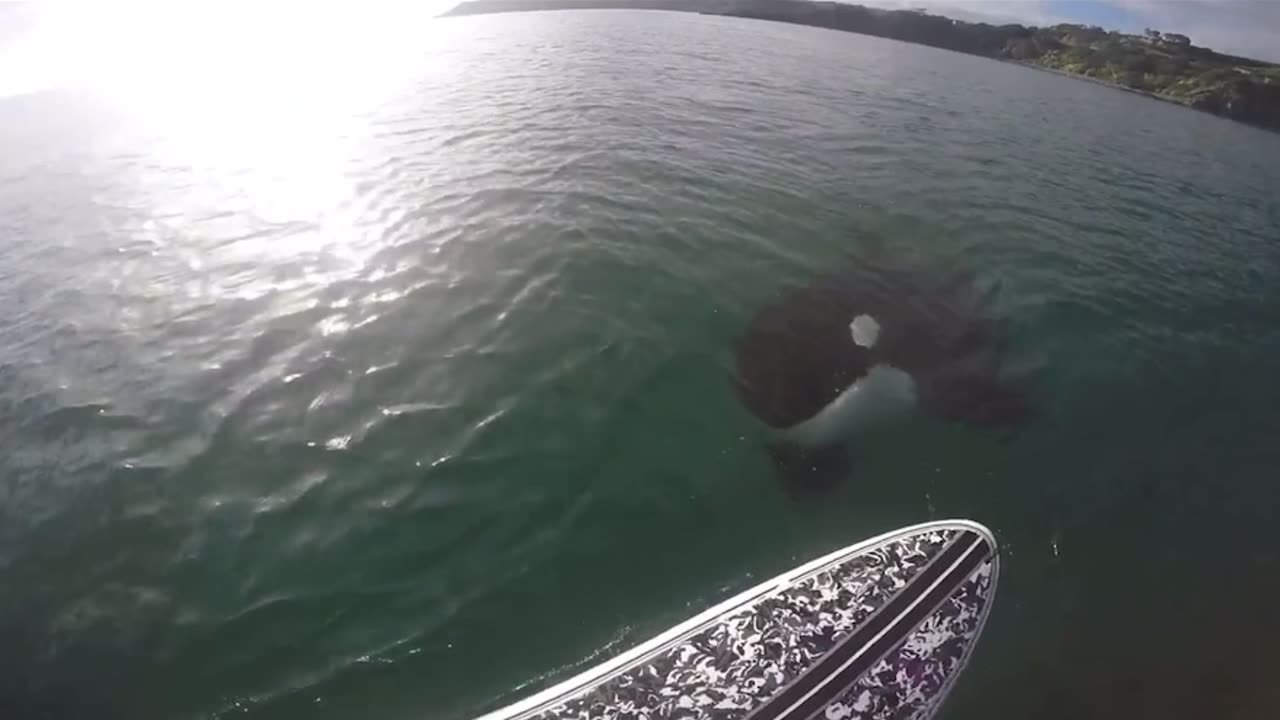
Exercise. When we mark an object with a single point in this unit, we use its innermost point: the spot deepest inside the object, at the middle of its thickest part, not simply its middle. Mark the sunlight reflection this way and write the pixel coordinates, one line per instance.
(199, 48)
(256, 119)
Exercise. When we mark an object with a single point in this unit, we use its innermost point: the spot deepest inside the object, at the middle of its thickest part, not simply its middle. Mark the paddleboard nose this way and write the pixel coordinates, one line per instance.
(878, 629)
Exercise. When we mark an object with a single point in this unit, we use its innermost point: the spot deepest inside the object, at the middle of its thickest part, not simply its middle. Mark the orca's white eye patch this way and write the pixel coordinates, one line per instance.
(865, 330)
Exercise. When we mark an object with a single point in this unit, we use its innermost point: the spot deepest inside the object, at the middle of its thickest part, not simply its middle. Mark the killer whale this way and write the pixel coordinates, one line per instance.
(864, 343)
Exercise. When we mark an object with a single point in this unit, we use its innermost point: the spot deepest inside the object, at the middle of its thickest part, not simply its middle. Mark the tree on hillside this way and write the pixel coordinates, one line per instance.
(1140, 63)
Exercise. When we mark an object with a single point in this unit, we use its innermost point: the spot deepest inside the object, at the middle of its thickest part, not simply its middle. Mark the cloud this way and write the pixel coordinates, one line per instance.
(1243, 27)
(996, 12)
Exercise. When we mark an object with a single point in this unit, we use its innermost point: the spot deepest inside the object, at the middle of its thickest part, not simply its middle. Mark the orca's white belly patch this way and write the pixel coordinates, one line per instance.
(883, 392)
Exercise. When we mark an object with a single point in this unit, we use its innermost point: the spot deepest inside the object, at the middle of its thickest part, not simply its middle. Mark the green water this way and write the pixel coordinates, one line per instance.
(400, 391)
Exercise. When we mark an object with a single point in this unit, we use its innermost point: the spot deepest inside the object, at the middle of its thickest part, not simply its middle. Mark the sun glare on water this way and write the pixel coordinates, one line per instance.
(259, 108)
(204, 48)
(228, 65)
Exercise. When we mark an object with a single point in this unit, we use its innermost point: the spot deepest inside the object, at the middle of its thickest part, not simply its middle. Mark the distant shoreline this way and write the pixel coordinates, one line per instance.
(1165, 67)
(1100, 81)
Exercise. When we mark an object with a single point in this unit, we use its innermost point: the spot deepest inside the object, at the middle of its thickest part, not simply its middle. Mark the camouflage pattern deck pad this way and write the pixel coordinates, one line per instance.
(782, 642)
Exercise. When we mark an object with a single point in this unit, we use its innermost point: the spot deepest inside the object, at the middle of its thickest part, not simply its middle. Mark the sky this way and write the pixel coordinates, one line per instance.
(1243, 27)
(111, 37)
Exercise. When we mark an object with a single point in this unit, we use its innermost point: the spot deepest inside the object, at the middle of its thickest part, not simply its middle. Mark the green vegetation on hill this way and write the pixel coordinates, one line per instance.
(1166, 65)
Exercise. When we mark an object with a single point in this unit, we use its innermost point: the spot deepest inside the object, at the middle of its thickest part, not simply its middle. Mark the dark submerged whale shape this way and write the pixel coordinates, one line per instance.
(799, 355)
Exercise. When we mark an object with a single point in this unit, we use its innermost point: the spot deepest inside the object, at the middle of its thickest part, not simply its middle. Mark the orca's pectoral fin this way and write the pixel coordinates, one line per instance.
(807, 471)
(979, 400)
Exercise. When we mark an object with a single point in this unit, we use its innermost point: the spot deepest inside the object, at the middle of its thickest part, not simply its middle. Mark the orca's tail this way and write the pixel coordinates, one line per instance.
(806, 471)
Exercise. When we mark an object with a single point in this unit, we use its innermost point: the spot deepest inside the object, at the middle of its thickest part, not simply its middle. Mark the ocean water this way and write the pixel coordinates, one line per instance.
(388, 377)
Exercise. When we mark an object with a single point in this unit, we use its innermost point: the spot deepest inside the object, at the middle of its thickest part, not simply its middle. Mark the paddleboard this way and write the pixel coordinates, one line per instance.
(880, 629)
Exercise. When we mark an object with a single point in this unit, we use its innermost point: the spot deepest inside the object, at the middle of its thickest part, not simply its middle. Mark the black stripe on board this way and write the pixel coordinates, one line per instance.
(868, 643)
